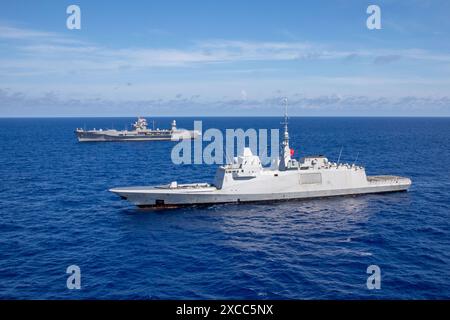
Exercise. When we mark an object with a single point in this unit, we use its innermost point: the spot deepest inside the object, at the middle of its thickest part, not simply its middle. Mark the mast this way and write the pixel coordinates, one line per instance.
(286, 133)
(286, 152)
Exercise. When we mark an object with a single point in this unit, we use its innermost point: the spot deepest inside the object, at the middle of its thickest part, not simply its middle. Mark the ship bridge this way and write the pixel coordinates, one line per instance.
(314, 162)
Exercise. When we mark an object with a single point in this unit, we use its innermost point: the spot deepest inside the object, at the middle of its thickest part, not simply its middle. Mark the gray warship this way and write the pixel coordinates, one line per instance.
(141, 132)
(246, 180)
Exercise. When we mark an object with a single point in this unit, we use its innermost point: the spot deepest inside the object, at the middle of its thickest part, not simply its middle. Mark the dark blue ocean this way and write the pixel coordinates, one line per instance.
(55, 211)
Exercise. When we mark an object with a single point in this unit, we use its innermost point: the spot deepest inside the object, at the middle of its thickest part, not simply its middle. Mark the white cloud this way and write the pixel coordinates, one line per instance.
(48, 53)
(13, 33)
(14, 103)
(244, 95)
(8, 32)
(49, 56)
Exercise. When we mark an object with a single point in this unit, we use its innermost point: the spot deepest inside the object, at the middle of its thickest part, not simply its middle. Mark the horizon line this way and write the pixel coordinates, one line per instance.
(225, 116)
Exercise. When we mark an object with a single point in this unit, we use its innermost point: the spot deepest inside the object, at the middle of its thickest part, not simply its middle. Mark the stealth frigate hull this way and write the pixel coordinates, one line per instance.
(188, 195)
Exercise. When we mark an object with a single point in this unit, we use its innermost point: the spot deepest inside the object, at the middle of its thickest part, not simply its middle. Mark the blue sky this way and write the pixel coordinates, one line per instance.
(224, 58)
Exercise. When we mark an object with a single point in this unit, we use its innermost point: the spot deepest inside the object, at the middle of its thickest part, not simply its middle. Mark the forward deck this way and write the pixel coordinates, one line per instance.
(388, 179)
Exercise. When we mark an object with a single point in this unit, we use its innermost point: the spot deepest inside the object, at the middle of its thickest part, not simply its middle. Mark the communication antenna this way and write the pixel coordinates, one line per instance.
(286, 133)
(356, 158)
(340, 153)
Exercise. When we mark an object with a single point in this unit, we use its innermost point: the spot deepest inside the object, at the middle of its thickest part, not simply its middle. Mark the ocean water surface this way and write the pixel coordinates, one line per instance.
(55, 211)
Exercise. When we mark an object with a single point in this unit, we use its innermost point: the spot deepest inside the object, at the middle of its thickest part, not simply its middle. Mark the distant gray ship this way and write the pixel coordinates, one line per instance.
(140, 133)
(245, 180)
